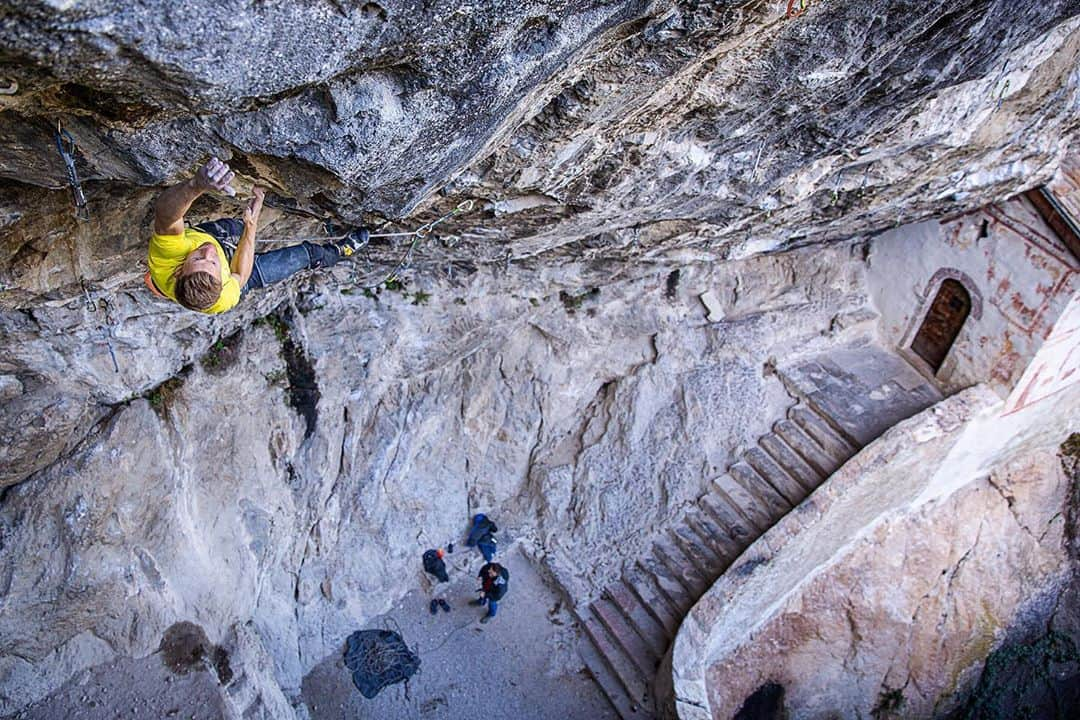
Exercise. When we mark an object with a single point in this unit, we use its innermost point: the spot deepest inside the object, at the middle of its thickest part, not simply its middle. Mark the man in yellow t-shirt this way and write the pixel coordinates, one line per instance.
(208, 267)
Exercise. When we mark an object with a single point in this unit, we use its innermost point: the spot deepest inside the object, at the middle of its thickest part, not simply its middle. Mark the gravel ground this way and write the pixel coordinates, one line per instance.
(135, 688)
(521, 665)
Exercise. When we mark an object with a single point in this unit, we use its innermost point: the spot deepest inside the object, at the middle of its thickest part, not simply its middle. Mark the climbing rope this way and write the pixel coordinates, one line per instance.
(92, 306)
(379, 658)
(418, 235)
(66, 145)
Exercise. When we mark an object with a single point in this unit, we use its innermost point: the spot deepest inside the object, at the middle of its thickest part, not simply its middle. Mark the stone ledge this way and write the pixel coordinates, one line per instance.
(774, 568)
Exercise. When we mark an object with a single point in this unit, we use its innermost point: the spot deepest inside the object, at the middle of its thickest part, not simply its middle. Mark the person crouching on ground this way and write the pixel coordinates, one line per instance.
(208, 267)
(494, 579)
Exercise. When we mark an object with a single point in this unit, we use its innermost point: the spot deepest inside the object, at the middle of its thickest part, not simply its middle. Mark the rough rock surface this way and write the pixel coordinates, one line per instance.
(593, 348)
(555, 414)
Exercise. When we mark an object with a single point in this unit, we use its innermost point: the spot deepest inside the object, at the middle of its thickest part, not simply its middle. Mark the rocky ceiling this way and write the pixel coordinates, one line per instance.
(621, 127)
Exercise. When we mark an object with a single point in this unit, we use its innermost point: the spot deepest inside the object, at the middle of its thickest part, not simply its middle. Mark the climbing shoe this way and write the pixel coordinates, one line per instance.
(476, 602)
(444, 605)
(486, 618)
(434, 607)
(355, 240)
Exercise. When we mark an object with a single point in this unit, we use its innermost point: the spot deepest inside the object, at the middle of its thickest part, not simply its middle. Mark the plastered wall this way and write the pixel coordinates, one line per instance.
(1017, 271)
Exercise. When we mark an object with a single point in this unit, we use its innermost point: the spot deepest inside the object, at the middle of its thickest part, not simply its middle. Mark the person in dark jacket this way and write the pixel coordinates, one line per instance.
(494, 580)
(434, 565)
(482, 535)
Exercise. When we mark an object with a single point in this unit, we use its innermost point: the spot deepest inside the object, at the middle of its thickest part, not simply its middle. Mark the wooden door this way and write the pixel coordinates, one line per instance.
(942, 323)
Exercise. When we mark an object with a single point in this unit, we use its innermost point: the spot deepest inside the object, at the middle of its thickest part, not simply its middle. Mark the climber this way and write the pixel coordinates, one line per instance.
(208, 267)
(493, 584)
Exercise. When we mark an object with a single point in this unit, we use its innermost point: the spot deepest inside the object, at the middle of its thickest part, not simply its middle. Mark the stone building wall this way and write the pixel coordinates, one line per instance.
(1019, 275)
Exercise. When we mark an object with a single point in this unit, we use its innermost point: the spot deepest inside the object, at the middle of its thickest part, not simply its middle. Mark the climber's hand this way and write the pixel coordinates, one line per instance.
(215, 175)
(254, 207)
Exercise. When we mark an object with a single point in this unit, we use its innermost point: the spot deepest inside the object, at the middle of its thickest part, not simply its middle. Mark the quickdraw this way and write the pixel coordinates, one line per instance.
(757, 160)
(1001, 95)
(792, 12)
(82, 212)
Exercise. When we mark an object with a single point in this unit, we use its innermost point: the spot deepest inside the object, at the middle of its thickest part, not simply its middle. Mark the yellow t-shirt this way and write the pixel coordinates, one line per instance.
(167, 252)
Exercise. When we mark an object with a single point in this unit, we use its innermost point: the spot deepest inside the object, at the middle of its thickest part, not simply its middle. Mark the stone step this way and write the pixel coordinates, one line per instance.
(694, 546)
(720, 507)
(787, 458)
(645, 623)
(806, 447)
(724, 548)
(659, 606)
(747, 504)
(611, 687)
(775, 504)
(826, 438)
(674, 591)
(682, 567)
(633, 681)
(775, 475)
(626, 636)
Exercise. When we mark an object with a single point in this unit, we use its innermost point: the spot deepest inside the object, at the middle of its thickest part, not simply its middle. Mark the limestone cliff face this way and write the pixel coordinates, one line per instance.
(553, 365)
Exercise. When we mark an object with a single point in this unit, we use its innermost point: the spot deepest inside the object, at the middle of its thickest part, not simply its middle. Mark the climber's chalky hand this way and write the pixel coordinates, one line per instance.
(254, 207)
(215, 175)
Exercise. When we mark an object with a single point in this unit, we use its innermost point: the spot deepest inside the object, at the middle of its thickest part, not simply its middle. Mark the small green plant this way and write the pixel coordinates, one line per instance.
(214, 356)
(275, 378)
(160, 396)
(369, 293)
(420, 297)
(1018, 680)
(395, 284)
(280, 328)
(573, 302)
(459, 301)
(534, 301)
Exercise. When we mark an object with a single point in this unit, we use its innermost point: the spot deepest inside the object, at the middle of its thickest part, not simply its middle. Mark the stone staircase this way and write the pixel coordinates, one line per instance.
(633, 621)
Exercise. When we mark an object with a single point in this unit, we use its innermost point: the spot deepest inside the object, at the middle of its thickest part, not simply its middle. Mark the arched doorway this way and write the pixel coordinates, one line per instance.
(947, 313)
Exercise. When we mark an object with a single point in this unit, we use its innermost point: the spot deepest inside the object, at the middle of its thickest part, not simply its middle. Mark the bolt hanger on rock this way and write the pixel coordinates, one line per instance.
(65, 143)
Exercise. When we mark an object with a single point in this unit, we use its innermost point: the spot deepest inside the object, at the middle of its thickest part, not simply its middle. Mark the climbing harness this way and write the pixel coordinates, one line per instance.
(66, 145)
(792, 12)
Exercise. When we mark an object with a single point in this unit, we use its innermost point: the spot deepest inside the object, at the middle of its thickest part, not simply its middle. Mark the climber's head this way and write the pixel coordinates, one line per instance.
(198, 279)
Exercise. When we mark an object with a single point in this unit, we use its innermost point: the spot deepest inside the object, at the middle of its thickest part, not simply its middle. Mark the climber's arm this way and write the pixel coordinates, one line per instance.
(173, 204)
(244, 258)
